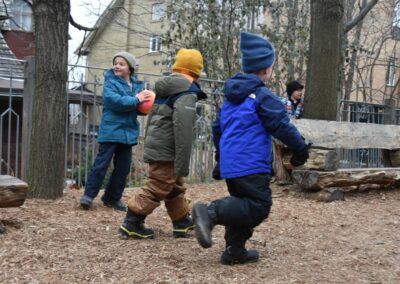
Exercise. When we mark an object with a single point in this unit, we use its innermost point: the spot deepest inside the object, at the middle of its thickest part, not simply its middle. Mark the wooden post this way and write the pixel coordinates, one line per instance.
(390, 111)
(389, 118)
(281, 174)
(29, 86)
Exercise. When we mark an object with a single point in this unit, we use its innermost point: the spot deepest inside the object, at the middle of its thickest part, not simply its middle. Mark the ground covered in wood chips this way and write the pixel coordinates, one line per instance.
(303, 241)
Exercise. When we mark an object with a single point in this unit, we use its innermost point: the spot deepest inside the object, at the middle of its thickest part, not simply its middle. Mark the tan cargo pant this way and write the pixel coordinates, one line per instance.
(162, 185)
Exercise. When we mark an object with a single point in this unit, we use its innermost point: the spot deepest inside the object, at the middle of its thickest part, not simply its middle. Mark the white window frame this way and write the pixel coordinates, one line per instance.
(157, 11)
(22, 16)
(155, 44)
(391, 72)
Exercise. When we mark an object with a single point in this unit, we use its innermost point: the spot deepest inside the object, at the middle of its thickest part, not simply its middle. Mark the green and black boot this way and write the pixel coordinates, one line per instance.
(133, 227)
(183, 226)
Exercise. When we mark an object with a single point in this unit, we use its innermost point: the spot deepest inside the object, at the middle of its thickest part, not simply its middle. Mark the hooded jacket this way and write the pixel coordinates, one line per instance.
(170, 128)
(119, 120)
(293, 109)
(250, 114)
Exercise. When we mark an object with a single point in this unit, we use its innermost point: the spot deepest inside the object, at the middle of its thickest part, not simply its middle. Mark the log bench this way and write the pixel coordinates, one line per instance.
(322, 175)
(13, 192)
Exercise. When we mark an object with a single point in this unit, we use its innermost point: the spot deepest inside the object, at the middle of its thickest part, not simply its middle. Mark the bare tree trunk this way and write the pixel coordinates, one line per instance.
(324, 59)
(353, 60)
(293, 9)
(305, 16)
(46, 158)
(349, 11)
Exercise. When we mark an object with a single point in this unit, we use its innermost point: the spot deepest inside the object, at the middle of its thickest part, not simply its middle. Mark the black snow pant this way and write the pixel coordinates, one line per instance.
(249, 204)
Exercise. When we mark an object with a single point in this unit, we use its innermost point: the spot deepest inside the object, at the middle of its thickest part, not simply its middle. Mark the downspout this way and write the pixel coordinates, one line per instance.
(130, 5)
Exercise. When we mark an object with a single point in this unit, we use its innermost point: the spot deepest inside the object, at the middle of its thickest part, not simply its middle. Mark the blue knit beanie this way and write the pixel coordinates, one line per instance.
(257, 52)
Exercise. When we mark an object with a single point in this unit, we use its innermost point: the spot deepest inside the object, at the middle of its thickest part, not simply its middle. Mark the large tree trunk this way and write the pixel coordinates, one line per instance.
(322, 85)
(46, 158)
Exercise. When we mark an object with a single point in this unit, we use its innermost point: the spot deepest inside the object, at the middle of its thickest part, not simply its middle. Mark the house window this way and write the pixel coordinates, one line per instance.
(396, 18)
(157, 11)
(21, 16)
(391, 73)
(155, 44)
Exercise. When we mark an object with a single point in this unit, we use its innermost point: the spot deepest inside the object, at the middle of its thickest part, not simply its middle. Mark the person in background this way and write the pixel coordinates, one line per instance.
(119, 130)
(294, 102)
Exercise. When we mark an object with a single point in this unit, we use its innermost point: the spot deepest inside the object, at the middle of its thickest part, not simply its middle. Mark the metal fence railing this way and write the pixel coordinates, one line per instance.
(84, 111)
(11, 96)
(84, 108)
(364, 113)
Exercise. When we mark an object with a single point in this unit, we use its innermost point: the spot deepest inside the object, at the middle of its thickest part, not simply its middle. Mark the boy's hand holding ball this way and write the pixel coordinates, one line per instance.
(146, 99)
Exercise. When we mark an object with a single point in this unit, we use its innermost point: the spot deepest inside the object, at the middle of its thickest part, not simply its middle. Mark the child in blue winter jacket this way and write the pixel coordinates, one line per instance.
(119, 130)
(250, 115)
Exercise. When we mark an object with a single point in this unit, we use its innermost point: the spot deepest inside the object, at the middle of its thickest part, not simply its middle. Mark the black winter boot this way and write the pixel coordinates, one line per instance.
(182, 227)
(86, 202)
(117, 205)
(229, 257)
(204, 218)
(133, 226)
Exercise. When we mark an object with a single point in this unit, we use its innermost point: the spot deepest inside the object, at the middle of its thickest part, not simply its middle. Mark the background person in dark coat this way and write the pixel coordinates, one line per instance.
(294, 102)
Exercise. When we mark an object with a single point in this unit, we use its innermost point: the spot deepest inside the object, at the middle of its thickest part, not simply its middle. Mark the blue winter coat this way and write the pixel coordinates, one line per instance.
(250, 114)
(119, 121)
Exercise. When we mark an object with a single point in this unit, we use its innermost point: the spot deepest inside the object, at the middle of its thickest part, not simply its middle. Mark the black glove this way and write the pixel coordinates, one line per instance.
(216, 174)
(300, 158)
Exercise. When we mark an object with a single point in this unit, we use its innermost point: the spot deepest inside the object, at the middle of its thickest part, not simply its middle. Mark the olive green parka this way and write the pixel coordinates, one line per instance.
(170, 127)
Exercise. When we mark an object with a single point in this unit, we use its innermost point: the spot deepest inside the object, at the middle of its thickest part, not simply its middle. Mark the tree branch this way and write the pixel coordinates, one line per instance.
(348, 26)
(80, 27)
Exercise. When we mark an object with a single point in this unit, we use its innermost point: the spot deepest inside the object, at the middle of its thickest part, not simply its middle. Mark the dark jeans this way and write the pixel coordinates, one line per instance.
(122, 154)
(249, 204)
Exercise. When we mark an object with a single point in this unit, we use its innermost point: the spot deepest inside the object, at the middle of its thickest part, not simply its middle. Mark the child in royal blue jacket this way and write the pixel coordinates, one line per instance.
(250, 115)
(119, 130)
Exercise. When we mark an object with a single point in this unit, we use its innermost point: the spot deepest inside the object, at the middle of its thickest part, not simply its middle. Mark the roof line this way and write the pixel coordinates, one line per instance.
(107, 15)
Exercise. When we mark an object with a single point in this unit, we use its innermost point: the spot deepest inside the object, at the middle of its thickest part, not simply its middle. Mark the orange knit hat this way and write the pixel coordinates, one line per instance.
(188, 60)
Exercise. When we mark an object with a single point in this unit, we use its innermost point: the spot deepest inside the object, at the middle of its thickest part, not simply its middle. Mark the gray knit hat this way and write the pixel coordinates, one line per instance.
(133, 63)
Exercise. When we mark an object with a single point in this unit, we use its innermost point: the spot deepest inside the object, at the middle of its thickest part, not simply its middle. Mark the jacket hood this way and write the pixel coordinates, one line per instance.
(240, 86)
(171, 85)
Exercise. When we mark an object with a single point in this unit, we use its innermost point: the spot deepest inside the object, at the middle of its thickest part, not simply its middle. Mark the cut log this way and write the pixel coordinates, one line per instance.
(322, 160)
(395, 158)
(13, 191)
(348, 135)
(317, 180)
